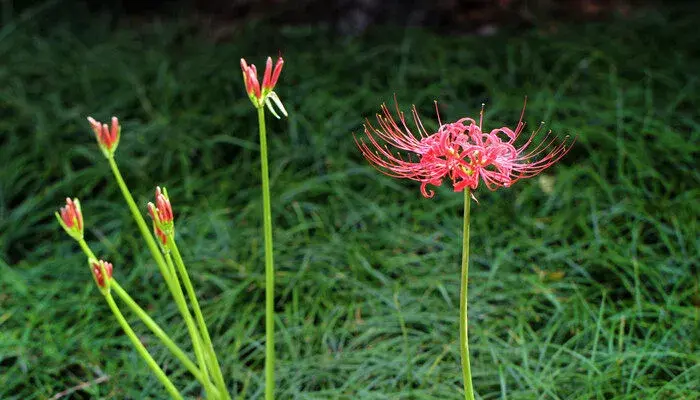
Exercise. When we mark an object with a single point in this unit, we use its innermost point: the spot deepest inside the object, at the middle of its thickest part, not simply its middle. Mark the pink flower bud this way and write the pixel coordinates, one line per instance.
(277, 72)
(270, 79)
(107, 137)
(266, 96)
(156, 221)
(97, 267)
(71, 218)
(165, 211)
(250, 78)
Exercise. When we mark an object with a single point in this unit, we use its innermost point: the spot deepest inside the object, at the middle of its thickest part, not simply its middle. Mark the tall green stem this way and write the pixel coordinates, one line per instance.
(463, 323)
(168, 273)
(160, 334)
(207, 346)
(192, 328)
(269, 264)
(201, 375)
(141, 349)
(141, 222)
(86, 249)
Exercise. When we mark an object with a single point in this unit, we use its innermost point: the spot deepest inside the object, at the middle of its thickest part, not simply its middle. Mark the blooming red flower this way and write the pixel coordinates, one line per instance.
(459, 151)
(71, 218)
(430, 157)
(495, 158)
(107, 137)
(263, 96)
(97, 271)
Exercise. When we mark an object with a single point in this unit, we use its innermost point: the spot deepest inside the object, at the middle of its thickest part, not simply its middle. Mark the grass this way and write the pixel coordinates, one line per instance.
(584, 282)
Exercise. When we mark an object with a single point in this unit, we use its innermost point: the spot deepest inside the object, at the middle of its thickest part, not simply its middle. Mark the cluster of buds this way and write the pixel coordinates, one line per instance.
(107, 136)
(265, 95)
(100, 269)
(162, 216)
(71, 219)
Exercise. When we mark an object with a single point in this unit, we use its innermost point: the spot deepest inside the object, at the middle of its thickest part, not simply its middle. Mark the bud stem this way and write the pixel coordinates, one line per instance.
(141, 349)
(463, 323)
(269, 264)
(199, 351)
(207, 345)
(153, 326)
(160, 334)
(165, 270)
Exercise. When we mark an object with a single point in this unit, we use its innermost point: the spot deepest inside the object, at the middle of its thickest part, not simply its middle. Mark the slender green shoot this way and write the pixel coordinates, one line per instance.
(463, 323)
(140, 348)
(165, 270)
(269, 264)
(207, 346)
(200, 375)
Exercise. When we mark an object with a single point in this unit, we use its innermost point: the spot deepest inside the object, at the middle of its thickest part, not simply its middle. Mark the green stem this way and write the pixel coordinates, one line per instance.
(269, 264)
(86, 249)
(201, 375)
(160, 334)
(208, 347)
(141, 349)
(141, 222)
(165, 270)
(463, 323)
(192, 328)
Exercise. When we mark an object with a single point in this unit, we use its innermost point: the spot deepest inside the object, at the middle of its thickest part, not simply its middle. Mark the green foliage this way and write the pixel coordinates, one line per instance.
(585, 291)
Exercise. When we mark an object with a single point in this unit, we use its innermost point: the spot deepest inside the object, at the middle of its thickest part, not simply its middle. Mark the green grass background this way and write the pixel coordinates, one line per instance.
(587, 291)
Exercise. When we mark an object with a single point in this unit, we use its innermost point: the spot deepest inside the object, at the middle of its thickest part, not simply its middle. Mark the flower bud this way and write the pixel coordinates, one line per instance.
(71, 218)
(99, 268)
(107, 137)
(165, 211)
(162, 214)
(265, 96)
(156, 222)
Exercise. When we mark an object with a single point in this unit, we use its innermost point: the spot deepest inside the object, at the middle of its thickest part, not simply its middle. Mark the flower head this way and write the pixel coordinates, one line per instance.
(107, 136)
(428, 158)
(457, 151)
(499, 162)
(266, 95)
(98, 267)
(71, 218)
(162, 215)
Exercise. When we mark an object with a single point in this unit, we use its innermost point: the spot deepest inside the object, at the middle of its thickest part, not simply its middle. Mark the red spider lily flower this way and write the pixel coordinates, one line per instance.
(71, 218)
(97, 268)
(495, 159)
(430, 157)
(107, 137)
(459, 151)
(266, 95)
(162, 215)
